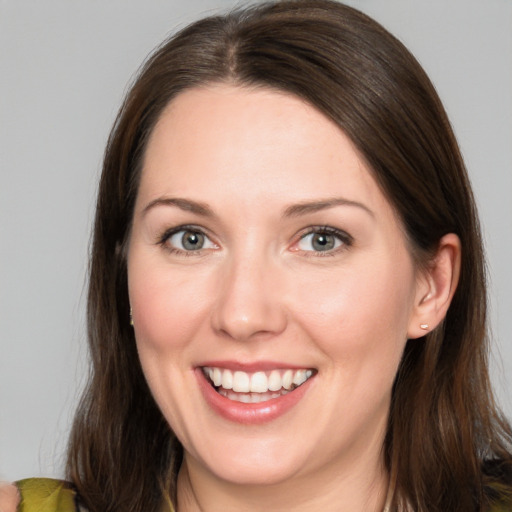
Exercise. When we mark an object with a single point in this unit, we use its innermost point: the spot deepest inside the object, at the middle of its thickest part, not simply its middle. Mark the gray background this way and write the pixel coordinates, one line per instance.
(64, 65)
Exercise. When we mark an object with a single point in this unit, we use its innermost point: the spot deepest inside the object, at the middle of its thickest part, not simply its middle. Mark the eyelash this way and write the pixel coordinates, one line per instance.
(343, 237)
(164, 239)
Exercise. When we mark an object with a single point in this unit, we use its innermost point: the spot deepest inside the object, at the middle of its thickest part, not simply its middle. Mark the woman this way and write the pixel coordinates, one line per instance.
(287, 271)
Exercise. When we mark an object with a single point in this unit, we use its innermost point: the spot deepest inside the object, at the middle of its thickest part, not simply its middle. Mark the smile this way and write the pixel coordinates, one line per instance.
(256, 387)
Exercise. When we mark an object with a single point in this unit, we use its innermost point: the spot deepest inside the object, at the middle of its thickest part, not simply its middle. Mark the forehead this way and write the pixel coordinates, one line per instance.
(258, 146)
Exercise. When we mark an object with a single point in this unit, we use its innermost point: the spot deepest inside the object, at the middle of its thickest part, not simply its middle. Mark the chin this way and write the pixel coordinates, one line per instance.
(255, 464)
(251, 474)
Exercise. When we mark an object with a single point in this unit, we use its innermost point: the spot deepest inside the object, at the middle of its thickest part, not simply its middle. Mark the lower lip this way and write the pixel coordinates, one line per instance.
(250, 414)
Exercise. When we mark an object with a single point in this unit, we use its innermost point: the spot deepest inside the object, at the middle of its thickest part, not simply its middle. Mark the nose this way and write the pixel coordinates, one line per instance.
(249, 302)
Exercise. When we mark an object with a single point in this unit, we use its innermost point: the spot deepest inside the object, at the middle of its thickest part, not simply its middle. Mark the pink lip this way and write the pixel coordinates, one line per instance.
(259, 366)
(249, 414)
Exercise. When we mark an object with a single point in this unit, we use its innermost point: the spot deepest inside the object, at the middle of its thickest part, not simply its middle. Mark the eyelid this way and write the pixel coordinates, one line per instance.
(346, 240)
(167, 234)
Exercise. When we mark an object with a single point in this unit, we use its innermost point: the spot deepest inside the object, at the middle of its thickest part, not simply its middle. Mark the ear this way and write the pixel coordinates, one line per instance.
(436, 286)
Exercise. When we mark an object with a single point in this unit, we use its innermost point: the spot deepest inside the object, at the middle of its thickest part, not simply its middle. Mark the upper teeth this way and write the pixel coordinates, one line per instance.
(258, 382)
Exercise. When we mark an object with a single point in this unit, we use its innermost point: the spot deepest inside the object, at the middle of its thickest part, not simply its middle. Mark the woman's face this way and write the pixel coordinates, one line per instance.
(271, 285)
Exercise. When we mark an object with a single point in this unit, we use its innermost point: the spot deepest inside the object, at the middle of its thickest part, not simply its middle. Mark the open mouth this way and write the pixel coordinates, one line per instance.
(255, 387)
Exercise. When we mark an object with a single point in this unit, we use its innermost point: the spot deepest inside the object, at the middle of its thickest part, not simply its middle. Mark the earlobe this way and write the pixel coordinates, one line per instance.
(436, 287)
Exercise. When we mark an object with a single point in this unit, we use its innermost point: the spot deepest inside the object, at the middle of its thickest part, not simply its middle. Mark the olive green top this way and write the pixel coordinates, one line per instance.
(46, 495)
(49, 495)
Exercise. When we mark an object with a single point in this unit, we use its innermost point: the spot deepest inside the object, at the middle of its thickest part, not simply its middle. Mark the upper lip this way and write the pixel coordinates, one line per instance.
(254, 366)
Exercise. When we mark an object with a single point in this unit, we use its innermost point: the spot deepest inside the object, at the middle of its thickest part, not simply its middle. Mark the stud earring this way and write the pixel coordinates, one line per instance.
(131, 317)
(424, 327)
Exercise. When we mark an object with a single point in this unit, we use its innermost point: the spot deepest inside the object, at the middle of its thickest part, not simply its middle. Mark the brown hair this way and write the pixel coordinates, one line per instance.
(447, 446)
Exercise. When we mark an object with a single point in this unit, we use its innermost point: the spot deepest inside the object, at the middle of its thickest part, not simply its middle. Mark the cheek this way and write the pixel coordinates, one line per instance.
(358, 312)
(166, 305)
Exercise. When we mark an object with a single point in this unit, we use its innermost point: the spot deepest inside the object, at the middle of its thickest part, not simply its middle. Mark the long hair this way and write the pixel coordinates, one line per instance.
(447, 445)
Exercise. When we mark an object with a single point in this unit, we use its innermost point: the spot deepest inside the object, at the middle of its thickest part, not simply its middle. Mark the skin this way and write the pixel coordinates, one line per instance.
(9, 498)
(260, 291)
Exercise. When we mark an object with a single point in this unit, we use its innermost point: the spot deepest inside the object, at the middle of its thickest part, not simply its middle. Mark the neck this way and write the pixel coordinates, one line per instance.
(362, 488)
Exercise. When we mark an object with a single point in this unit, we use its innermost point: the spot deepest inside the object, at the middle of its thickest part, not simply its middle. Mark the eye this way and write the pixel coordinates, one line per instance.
(188, 240)
(323, 240)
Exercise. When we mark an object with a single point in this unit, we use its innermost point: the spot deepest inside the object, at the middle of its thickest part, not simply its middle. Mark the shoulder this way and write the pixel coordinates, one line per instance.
(9, 497)
(501, 498)
(46, 495)
(502, 506)
(498, 485)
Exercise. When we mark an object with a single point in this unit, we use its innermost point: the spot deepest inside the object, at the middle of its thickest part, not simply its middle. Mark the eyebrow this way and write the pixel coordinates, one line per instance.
(184, 204)
(295, 210)
(299, 209)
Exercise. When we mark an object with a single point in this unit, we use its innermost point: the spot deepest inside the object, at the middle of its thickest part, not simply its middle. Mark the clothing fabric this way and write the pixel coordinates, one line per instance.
(49, 495)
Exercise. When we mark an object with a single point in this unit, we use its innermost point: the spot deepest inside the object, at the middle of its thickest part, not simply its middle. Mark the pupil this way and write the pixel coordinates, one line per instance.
(323, 242)
(192, 241)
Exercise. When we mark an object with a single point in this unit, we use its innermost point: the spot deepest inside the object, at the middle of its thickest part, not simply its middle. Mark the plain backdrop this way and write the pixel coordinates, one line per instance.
(64, 65)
